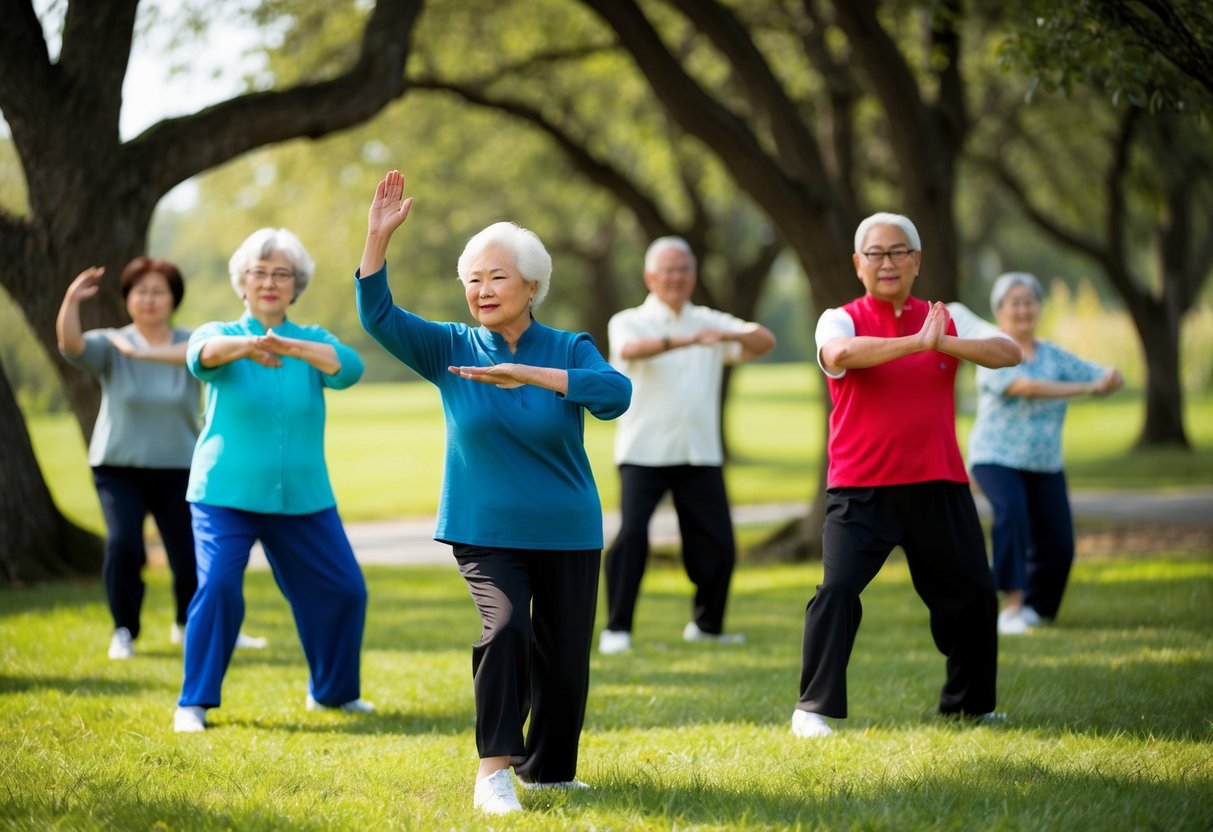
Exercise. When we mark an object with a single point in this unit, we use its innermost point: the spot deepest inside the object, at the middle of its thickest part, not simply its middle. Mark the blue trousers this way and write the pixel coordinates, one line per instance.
(1033, 534)
(316, 570)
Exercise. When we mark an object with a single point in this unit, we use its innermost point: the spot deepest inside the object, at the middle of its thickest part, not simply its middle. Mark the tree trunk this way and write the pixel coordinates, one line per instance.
(38, 541)
(1164, 422)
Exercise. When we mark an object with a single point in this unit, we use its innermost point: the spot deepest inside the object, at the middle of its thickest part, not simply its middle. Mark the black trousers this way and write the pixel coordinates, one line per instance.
(127, 495)
(708, 549)
(533, 656)
(936, 524)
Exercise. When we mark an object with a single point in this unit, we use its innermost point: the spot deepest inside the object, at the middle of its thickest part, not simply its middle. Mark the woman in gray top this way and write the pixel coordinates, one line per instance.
(144, 435)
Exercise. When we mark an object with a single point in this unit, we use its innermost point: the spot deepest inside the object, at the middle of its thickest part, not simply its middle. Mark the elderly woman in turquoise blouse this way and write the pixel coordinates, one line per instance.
(259, 473)
(519, 505)
(1015, 456)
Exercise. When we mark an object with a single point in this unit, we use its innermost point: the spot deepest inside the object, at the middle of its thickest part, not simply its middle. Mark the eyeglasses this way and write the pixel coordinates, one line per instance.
(277, 275)
(895, 255)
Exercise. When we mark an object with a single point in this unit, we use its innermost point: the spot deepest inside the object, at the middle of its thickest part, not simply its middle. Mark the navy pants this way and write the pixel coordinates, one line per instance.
(533, 655)
(708, 549)
(1033, 533)
(316, 570)
(127, 496)
(936, 525)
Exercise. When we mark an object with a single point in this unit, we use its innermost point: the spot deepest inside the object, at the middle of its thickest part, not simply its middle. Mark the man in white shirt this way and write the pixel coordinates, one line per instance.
(669, 439)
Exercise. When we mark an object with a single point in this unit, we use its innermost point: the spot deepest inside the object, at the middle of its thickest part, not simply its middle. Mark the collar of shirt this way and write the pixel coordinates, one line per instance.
(656, 308)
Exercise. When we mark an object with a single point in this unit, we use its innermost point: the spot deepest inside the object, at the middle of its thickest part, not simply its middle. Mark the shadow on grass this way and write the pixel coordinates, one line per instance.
(75, 685)
(378, 724)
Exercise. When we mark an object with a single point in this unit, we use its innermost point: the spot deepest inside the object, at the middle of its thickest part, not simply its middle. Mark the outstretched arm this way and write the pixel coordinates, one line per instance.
(224, 349)
(320, 355)
(516, 375)
(67, 325)
(1032, 388)
(388, 211)
(163, 353)
(859, 351)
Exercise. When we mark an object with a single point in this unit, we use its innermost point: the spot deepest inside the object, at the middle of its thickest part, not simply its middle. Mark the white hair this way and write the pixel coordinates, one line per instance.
(1006, 282)
(263, 244)
(530, 257)
(662, 244)
(885, 218)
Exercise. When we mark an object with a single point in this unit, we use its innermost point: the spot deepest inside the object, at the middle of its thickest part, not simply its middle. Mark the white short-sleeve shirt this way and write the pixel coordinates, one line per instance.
(674, 418)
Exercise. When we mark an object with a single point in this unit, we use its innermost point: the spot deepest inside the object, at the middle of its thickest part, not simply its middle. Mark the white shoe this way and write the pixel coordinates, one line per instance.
(177, 634)
(495, 794)
(189, 719)
(692, 633)
(808, 724)
(246, 642)
(1030, 616)
(611, 642)
(354, 706)
(575, 785)
(122, 645)
(1012, 622)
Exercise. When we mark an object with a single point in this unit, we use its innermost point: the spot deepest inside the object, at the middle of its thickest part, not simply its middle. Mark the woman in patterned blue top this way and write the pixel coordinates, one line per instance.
(1015, 456)
(258, 473)
(519, 505)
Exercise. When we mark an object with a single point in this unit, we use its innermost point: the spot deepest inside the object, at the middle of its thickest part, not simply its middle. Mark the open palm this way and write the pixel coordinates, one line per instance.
(389, 207)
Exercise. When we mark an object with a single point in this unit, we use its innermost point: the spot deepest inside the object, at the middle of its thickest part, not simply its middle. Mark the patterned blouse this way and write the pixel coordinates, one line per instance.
(1019, 432)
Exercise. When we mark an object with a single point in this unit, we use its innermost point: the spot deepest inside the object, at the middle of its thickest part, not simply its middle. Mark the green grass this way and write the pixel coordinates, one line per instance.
(385, 446)
(1109, 727)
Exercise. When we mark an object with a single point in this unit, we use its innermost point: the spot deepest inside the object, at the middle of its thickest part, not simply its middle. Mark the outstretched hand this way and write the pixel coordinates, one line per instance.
(504, 376)
(389, 208)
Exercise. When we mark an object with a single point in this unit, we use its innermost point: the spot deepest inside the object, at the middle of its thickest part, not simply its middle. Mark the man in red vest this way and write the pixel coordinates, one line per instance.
(896, 477)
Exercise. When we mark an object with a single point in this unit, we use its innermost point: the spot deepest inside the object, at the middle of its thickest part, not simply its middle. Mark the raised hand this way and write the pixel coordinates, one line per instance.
(86, 285)
(389, 208)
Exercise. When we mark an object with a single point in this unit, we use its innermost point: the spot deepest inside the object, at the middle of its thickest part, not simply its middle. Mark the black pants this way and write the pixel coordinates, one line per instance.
(936, 524)
(708, 550)
(533, 656)
(127, 496)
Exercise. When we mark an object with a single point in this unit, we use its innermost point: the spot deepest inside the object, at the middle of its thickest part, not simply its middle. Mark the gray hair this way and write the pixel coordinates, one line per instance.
(885, 218)
(264, 243)
(662, 244)
(531, 258)
(1005, 283)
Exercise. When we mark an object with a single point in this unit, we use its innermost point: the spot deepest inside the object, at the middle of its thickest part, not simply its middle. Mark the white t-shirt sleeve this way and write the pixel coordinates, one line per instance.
(969, 325)
(833, 323)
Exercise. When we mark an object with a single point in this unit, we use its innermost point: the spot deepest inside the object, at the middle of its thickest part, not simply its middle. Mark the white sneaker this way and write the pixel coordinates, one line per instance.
(1012, 622)
(247, 642)
(121, 645)
(354, 706)
(575, 785)
(611, 642)
(495, 794)
(1030, 616)
(808, 724)
(177, 634)
(189, 719)
(692, 633)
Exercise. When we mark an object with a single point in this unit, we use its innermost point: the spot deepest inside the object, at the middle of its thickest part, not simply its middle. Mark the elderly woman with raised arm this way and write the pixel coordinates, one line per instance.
(519, 505)
(259, 474)
(1015, 456)
(896, 477)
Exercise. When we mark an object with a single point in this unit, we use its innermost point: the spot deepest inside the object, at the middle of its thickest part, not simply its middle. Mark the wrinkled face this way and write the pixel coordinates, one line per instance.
(150, 300)
(1019, 312)
(498, 297)
(674, 278)
(886, 265)
(269, 286)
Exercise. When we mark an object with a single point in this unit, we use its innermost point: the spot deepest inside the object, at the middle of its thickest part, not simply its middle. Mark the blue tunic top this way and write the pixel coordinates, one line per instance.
(262, 442)
(516, 474)
(1023, 433)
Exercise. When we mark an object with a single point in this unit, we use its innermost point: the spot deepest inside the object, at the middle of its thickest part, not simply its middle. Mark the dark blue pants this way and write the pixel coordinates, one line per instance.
(127, 496)
(316, 570)
(1033, 534)
(708, 549)
(533, 655)
(936, 524)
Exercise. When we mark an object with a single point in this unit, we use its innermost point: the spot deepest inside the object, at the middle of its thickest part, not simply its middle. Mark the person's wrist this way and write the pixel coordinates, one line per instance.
(665, 344)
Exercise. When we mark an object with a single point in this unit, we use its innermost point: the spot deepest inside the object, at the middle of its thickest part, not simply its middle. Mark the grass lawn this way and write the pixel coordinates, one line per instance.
(1109, 717)
(385, 445)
